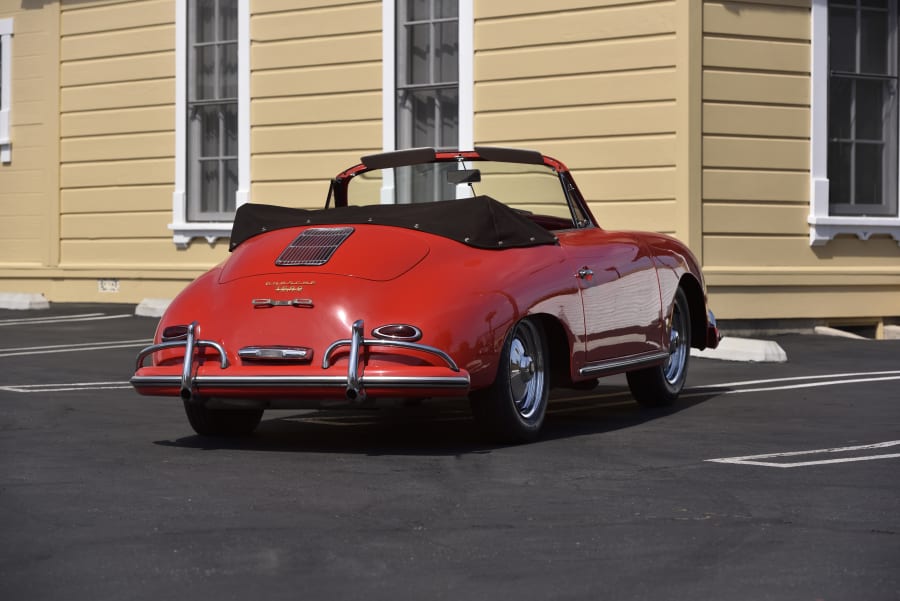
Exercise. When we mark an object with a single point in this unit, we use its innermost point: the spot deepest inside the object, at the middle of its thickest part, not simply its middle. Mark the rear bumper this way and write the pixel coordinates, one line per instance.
(197, 380)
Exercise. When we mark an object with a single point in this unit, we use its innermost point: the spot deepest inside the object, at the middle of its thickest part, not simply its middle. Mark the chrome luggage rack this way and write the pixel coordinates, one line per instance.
(354, 383)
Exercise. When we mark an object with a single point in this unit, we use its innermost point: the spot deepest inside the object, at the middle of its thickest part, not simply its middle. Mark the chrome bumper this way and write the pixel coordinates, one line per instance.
(353, 383)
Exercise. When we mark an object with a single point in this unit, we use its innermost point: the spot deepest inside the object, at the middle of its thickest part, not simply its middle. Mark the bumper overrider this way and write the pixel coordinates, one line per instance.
(198, 379)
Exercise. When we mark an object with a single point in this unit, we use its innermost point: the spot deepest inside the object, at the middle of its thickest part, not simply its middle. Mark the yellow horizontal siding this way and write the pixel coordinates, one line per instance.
(563, 123)
(106, 44)
(308, 194)
(761, 121)
(317, 80)
(762, 55)
(109, 226)
(651, 215)
(795, 252)
(594, 89)
(756, 153)
(315, 51)
(118, 173)
(296, 110)
(118, 254)
(282, 6)
(568, 26)
(627, 184)
(612, 152)
(119, 69)
(315, 137)
(316, 22)
(761, 88)
(756, 19)
(92, 18)
(810, 302)
(116, 122)
(723, 184)
(601, 56)
(117, 200)
(117, 148)
(119, 95)
(506, 8)
(281, 166)
(720, 218)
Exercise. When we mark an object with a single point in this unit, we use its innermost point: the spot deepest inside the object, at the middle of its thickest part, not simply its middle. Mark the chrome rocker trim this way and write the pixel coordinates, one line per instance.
(353, 382)
(608, 367)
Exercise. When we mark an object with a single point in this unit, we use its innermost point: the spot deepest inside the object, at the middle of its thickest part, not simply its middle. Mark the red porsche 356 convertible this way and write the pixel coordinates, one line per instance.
(430, 274)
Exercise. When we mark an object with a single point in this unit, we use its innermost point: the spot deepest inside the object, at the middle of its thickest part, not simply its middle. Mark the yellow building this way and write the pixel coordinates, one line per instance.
(131, 129)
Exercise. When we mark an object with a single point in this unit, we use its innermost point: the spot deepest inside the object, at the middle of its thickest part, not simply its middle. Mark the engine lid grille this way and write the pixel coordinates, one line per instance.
(313, 247)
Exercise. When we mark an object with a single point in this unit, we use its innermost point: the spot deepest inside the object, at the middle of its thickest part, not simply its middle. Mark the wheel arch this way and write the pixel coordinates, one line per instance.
(559, 349)
(697, 304)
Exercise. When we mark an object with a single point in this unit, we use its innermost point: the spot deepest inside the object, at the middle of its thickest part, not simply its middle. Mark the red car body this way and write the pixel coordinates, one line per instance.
(408, 305)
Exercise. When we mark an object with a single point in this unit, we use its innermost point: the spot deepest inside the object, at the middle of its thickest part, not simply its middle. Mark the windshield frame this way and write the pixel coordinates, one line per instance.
(581, 216)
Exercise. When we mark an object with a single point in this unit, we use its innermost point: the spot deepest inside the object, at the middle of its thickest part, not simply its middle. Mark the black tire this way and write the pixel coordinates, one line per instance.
(512, 409)
(222, 422)
(659, 386)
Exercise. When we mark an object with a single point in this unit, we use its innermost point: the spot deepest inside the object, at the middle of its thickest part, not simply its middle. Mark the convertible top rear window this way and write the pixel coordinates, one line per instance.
(480, 221)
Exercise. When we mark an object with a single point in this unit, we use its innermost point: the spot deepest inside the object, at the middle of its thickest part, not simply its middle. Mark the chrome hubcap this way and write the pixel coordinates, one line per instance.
(678, 349)
(526, 370)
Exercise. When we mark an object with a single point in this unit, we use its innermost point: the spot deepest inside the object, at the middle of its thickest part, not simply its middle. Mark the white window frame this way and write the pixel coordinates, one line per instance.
(466, 80)
(6, 32)
(822, 226)
(183, 230)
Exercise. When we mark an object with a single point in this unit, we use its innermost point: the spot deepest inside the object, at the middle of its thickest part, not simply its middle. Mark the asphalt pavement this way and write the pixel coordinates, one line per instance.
(766, 481)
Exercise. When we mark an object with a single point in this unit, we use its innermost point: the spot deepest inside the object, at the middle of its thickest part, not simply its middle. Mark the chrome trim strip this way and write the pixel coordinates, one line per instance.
(617, 364)
(275, 353)
(436, 382)
(390, 343)
(355, 390)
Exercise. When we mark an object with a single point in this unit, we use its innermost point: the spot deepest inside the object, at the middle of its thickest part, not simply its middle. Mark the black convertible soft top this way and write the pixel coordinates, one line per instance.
(481, 222)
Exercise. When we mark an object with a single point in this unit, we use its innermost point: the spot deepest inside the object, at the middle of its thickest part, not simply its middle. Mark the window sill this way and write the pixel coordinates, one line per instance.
(824, 229)
(185, 232)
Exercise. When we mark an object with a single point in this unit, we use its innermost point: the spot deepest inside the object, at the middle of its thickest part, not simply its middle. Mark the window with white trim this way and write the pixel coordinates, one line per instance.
(428, 79)
(212, 117)
(855, 127)
(6, 31)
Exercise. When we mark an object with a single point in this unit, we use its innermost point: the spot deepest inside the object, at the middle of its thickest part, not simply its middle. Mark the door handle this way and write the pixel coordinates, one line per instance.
(585, 273)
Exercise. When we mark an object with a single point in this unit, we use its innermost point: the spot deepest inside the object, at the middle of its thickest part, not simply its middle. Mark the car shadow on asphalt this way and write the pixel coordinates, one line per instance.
(434, 429)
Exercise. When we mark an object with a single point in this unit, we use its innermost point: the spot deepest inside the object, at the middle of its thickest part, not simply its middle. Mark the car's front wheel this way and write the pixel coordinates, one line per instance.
(512, 409)
(660, 385)
(221, 422)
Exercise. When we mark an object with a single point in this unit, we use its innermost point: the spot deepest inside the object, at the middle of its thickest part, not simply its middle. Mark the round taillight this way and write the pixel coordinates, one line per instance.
(174, 333)
(398, 331)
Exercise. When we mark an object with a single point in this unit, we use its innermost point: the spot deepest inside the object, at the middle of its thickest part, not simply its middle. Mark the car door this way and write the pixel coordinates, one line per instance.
(619, 291)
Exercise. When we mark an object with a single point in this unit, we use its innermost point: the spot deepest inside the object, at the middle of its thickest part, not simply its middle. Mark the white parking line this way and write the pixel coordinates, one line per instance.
(755, 459)
(70, 348)
(26, 388)
(59, 319)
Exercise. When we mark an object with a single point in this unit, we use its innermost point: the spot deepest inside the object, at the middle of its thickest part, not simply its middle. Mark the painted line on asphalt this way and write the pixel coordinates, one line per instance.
(28, 388)
(60, 319)
(725, 389)
(71, 348)
(759, 460)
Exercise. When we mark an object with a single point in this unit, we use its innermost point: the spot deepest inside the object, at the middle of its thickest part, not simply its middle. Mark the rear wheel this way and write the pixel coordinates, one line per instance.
(512, 409)
(660, 385)
(222, 422)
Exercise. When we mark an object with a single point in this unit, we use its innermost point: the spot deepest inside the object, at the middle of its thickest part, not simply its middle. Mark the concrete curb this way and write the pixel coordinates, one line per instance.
(152, 307)
(744, 349)
(22, 301)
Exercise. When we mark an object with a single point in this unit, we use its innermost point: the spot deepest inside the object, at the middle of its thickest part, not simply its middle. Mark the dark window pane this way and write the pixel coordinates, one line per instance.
(418, 10)
(423, 131)
(840, 116)
(869, 174)
(448, 107)
(209, 131)
(842, 39)
(873, 42)
(209, 186)
(228, 75)
(205, 21)
(446, 9)
(875, 3)
(839, 172)
(447, 52)
(870, 103)
(228, 24)
(205, 73)
(231, 127)
(418, 53)
(231, 184)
